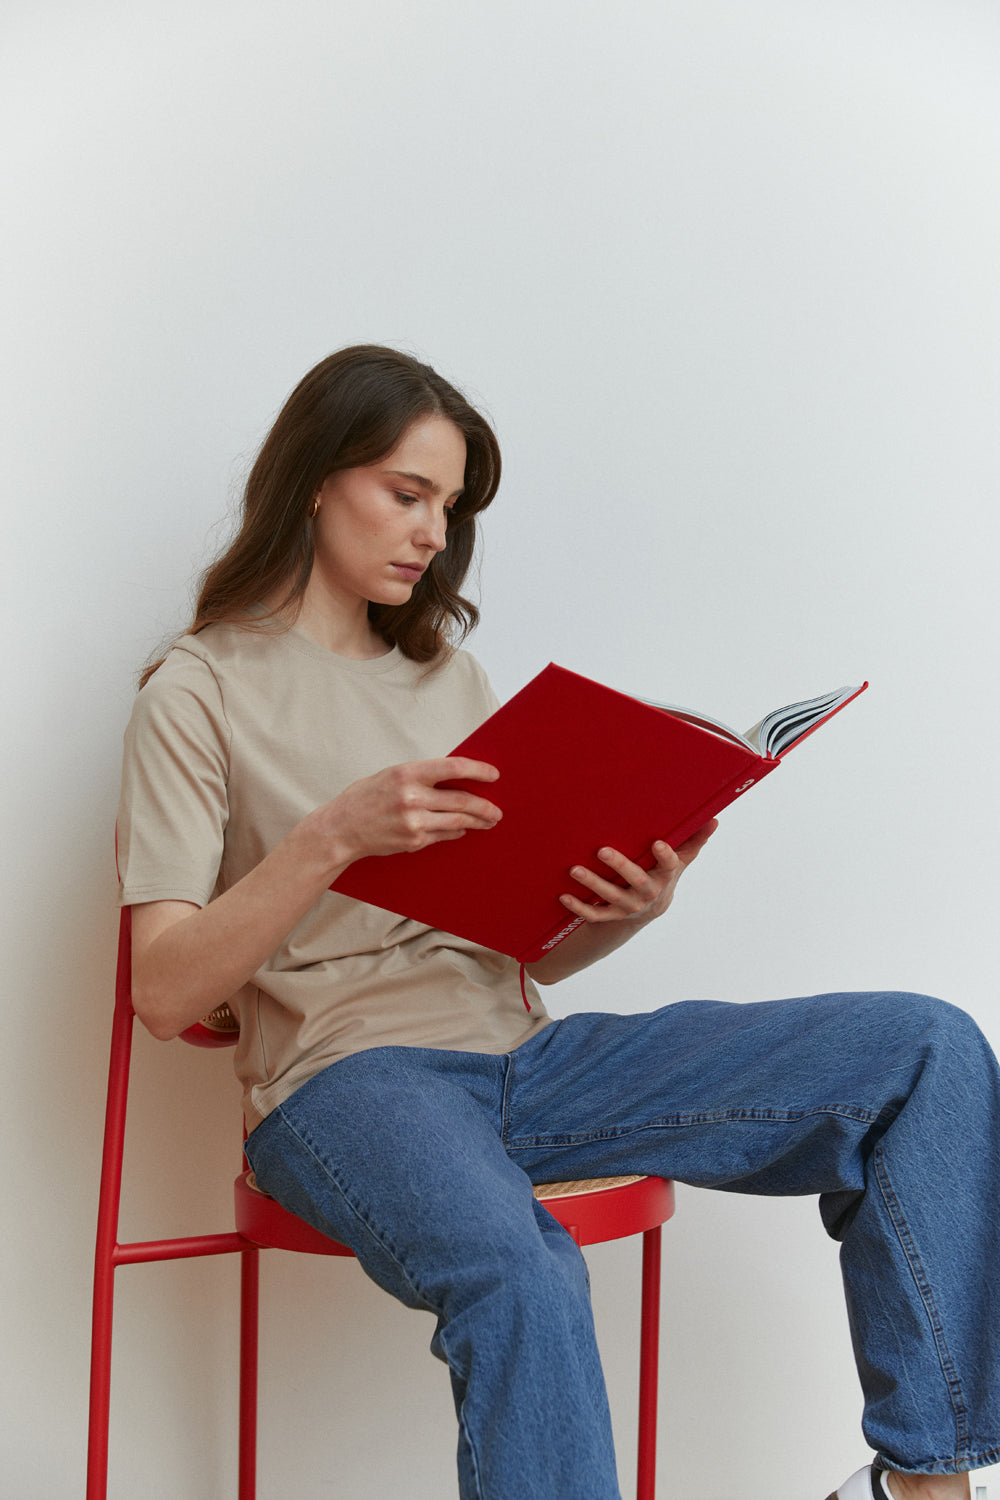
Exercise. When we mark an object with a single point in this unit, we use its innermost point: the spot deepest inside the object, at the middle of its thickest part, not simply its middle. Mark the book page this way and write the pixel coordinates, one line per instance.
(703, 721)
(778, 731)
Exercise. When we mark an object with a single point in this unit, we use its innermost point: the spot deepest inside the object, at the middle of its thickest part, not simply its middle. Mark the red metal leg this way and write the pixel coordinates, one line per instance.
(249, 1281)
(110, 1254)
(649, 1363)
(107, 1226)
(100, 1384)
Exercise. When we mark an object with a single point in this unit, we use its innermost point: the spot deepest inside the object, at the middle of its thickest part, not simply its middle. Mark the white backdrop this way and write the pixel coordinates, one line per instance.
(725, 276)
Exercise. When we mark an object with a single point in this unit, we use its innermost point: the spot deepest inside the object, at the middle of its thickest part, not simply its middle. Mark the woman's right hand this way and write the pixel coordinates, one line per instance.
(186, 960)
(402, 809)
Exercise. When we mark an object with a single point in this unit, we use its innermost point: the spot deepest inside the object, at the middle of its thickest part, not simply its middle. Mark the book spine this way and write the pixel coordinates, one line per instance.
(749, 776)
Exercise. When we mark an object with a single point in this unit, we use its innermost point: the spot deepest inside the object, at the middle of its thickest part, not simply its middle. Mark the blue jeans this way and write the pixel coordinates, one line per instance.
(886, 1105)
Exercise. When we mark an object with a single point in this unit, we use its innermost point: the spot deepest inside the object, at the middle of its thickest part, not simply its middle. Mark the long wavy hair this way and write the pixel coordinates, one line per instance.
(349, 411)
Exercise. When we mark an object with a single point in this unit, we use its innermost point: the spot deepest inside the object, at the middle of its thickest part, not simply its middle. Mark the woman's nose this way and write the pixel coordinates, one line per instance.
(433, 531)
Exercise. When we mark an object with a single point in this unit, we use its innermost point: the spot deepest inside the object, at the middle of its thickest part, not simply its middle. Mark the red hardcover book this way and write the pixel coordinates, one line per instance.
(581, 766)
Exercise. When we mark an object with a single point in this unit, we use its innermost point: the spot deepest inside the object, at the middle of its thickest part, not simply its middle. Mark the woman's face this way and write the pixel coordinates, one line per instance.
(378, 527)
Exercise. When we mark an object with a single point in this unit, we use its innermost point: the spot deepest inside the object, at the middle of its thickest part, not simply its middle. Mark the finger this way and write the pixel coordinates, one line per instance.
(648, 882)
(626, 868)
(457, 768)
(462, 820)
(666, 864)
(631, 897)
(691, 847)
(625, 908)
(465, 805)
(588, 910)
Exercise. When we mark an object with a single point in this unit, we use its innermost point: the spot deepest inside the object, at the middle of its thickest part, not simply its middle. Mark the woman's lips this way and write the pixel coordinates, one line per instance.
(407, 571)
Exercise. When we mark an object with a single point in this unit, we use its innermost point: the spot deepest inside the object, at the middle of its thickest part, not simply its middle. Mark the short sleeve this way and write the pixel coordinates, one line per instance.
(490, 699)
(173, 811)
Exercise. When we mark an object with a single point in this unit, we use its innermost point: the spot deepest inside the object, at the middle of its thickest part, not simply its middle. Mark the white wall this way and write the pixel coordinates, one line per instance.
(725, 276)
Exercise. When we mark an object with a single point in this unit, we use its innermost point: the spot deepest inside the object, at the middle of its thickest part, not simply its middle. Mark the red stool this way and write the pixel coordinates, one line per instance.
(605, 1209)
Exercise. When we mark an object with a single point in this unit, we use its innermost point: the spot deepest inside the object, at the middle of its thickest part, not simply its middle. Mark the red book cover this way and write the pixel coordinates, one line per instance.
(581, 766)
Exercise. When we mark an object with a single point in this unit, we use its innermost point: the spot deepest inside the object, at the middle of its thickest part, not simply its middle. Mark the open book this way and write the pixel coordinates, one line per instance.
(581, 767)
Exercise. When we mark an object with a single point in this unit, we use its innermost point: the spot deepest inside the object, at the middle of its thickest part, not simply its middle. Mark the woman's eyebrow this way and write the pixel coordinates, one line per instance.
(427, 484)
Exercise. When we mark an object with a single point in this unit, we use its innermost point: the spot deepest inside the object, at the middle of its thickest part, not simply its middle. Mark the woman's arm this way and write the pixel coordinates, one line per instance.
(625, 909)
(186, 960)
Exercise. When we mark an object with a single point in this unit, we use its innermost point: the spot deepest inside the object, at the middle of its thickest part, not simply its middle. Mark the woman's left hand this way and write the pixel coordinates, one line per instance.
(621, 910)
(646, 894)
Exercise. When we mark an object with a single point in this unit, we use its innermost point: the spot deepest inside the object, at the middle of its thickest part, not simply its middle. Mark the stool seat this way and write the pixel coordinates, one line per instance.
(597, 1209)
(608, 1208)
(262, 1220)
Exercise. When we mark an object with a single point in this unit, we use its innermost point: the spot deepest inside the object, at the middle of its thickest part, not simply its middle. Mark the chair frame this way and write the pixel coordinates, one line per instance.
(591, 1213)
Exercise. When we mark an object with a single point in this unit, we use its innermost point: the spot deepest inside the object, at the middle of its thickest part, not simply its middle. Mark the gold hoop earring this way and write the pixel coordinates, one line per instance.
(314, 512)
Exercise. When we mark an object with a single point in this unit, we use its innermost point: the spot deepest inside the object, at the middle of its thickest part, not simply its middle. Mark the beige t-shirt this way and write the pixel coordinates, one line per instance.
(237, 736)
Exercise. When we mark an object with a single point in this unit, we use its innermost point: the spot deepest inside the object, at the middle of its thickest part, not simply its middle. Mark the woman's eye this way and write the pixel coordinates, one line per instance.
(407, 499)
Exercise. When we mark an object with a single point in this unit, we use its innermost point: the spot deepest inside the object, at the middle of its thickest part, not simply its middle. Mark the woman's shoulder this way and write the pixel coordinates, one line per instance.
(216, 652)
(179, 707)
(460, 666)
(188, 667)
(463, 673)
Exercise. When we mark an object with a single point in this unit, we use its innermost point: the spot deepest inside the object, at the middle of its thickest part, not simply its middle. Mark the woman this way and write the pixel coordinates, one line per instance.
(398, 1096)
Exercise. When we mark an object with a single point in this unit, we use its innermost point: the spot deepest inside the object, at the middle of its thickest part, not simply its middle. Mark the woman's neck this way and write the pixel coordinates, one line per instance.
(345, 633)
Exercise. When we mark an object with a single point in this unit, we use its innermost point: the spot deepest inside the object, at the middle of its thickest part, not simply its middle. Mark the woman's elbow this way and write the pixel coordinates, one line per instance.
(160, 1027)
(158, 983)
(151, 1010)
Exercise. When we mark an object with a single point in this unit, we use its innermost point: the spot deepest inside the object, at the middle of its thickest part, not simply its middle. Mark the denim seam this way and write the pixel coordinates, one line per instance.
(922, 1283)
(704, 1117)
(477, 1473)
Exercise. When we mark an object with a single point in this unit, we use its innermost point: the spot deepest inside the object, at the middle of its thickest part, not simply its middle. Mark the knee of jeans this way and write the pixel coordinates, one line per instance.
(942, 1026)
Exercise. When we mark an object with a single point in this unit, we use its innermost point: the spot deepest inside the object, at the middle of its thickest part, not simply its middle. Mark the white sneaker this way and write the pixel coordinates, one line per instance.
(866, 1484)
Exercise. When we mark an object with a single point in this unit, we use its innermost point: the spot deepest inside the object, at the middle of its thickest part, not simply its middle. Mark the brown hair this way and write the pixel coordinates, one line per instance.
(349, 411)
